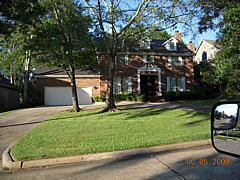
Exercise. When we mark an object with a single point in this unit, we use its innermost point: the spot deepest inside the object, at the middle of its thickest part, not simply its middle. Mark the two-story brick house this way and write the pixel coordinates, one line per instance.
(151, 67)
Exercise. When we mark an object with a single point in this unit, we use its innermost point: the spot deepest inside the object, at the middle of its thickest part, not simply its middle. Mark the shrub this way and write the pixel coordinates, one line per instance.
(129, 98)
(141, 98)
(96, 98)
(101, 99)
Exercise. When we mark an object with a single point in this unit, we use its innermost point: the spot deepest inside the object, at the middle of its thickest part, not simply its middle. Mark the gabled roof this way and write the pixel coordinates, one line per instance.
(158, 47)
(212, 42)
(43, 71)
(5, 83)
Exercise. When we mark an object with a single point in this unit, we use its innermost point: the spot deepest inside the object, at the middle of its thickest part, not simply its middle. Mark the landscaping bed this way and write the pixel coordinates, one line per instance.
(91, 132)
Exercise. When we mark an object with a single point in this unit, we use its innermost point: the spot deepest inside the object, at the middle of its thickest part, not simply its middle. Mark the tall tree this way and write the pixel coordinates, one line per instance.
(224, 15)
(15, 32)
(114, 19)
(62, 40)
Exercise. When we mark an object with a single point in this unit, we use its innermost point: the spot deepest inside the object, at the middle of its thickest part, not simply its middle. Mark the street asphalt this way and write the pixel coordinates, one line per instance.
(200, 163)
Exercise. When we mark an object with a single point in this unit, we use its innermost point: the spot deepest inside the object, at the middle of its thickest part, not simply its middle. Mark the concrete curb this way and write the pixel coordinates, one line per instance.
(10, 164)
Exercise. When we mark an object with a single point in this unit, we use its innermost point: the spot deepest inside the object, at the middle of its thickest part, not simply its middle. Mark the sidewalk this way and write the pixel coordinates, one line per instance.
(192, 107)
(8, 163)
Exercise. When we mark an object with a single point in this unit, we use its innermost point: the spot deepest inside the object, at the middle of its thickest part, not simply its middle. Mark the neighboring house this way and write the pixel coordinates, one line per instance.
(206, 50)
(152, 68)
(9, 95)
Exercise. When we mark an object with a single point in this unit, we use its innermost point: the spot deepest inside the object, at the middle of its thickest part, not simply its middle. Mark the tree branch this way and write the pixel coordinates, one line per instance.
(132, 20)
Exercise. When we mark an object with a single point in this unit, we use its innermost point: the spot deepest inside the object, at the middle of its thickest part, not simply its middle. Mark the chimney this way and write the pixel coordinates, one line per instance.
(177, 36)
(191, 46)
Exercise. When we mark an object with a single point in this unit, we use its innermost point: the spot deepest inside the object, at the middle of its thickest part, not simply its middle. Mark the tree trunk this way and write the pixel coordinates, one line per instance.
(110, 107)
(26, 79)
(76, 107)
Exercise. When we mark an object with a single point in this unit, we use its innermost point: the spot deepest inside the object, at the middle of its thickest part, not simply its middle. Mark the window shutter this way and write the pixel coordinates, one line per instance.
(152, 59)
(169, 61)
(173, 84)
(116, 60)
(181, 60)
(184, 84)
(130, 84)
(126, 60)
(145, 59)
(168, 84)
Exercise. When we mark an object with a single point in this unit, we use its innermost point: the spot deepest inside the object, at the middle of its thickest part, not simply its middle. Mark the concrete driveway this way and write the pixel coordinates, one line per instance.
(13, 126)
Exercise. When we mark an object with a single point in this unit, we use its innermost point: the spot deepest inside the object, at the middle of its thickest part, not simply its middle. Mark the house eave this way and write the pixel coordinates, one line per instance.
(65, 76)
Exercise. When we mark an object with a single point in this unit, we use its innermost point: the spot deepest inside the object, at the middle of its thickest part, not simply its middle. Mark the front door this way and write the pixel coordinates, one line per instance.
(148, 84)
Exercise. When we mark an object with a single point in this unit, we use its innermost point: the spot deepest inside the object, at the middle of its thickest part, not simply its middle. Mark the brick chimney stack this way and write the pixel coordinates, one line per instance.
(177, 36)
(191, 46)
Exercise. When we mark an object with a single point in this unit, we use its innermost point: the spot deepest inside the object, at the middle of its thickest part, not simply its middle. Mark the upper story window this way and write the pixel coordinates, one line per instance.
(175, 61)
(121, 60)
(171, 44)
(148, 59)
(145, 43)
(204, 56)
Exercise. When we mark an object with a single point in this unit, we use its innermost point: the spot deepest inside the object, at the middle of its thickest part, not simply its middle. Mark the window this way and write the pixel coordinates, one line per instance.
(121, 60)
(122, 85)
(175, 61)
(204, 56)
(148, 58)
(172, 45)
(176, 84)
(145, 44)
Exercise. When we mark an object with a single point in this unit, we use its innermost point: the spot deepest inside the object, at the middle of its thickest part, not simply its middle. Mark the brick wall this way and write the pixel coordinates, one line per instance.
(135, 62)
(93, 82)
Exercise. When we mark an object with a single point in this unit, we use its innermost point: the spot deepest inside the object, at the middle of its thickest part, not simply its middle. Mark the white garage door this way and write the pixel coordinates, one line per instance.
(63, 95)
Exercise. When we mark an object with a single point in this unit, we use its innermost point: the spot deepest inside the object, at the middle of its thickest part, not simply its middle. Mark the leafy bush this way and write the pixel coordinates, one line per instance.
(129, 98)
(101, 99)
(96, 98)
(141, 98)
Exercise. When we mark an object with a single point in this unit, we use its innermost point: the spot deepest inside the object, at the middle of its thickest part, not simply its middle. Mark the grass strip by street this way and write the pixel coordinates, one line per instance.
(209, 102)
(91, 132)
(11, 111)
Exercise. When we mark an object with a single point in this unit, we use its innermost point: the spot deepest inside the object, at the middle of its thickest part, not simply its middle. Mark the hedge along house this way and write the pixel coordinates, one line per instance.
(150, 67)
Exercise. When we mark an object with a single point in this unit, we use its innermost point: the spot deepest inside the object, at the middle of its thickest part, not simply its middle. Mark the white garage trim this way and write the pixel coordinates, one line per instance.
(63, 95)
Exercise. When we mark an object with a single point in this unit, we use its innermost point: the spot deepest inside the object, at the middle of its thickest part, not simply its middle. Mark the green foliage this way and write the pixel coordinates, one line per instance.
(101, 99)
(96, 98)
(226, 66)
(197, 93)
(141, 97)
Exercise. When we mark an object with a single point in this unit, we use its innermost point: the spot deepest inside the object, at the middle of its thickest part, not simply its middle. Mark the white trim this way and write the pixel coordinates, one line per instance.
(184, 83)
(152, 68)
(126, 60)
(65, 76)
(168, 84)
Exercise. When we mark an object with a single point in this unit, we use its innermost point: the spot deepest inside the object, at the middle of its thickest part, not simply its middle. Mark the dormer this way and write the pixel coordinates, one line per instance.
(145, 43)
(171, 44)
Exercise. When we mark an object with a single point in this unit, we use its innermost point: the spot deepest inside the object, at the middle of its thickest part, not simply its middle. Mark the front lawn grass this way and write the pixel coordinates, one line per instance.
(9, 112)
(92, 132)
(209, 102)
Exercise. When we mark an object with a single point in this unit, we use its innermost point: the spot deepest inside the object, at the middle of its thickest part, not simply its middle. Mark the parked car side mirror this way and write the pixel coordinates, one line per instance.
(225, 128)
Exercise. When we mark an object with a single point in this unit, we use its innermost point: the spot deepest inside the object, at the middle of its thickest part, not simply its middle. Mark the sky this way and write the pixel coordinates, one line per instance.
(229, 109)
(210, 35)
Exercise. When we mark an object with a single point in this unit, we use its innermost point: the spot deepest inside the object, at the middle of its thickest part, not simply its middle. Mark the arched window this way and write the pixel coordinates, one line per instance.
(204, 56)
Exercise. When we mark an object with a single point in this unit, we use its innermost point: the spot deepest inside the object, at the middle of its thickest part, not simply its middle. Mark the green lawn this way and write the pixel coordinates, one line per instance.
(210, 102)
(9, 112)
(90, 132)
